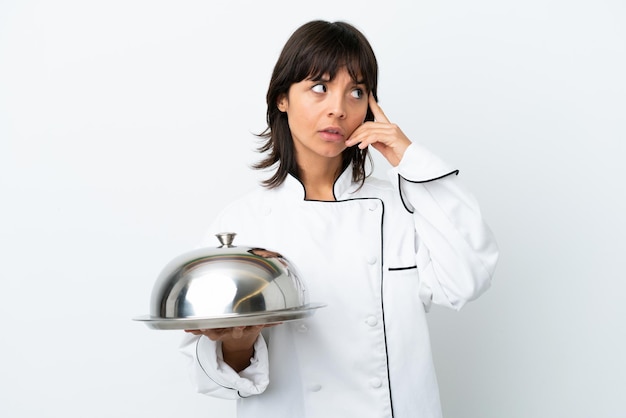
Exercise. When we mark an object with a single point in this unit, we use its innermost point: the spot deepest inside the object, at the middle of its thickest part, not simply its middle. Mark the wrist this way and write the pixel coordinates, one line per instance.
(238, 358)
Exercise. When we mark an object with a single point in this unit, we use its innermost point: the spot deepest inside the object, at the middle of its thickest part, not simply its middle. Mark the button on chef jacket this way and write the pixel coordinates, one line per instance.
(378, 256)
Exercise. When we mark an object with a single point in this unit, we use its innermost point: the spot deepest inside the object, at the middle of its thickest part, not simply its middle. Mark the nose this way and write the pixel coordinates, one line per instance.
(337, 107)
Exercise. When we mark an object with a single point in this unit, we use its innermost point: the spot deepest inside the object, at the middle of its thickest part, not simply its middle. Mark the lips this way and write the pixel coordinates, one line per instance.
(332, 134)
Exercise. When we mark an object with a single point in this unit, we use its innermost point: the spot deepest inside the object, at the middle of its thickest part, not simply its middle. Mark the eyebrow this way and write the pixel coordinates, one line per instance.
(324, 77)
(320, 77)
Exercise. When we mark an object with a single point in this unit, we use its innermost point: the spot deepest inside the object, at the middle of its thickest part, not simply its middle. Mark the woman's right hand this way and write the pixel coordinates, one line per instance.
(237, 342)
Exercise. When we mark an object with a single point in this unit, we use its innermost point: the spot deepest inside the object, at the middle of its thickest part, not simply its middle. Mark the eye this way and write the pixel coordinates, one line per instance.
(319, 88)
(357, 93)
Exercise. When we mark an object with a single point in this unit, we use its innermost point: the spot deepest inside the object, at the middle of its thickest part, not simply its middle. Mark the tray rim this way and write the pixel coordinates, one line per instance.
(230, 320)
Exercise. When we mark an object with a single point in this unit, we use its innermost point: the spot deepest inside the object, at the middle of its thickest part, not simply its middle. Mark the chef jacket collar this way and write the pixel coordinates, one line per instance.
(342, 188)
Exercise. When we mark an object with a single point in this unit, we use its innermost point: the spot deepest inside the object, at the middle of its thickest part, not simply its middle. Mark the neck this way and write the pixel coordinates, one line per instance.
(319, 178)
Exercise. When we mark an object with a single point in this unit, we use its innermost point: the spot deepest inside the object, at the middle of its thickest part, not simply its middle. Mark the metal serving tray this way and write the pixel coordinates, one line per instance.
(233, 320)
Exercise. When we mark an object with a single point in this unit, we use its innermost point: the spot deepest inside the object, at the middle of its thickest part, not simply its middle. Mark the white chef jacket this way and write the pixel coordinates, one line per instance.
(378, 256)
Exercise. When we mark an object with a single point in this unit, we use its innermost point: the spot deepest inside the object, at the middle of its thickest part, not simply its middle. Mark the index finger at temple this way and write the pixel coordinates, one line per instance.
(378, 113)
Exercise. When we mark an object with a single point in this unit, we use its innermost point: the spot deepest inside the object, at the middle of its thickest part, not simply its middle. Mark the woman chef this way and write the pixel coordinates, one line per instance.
(378, 253)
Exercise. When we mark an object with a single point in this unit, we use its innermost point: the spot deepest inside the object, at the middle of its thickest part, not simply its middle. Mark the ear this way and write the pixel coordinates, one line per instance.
(282, 103)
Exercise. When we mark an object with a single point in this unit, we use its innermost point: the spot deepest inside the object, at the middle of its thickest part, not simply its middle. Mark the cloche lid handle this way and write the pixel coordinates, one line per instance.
(226, 239)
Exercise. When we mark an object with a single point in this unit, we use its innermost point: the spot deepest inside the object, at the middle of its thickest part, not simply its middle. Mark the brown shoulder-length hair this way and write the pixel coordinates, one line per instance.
(316, 49)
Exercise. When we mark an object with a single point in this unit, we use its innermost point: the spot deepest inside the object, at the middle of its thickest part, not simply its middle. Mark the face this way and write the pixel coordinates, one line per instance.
(322, 114)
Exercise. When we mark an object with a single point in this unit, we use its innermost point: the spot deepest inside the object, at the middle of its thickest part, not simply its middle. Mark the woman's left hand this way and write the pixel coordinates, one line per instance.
(386, 137)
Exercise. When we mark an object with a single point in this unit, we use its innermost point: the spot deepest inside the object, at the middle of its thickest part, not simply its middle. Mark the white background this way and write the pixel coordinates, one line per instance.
(126, 125)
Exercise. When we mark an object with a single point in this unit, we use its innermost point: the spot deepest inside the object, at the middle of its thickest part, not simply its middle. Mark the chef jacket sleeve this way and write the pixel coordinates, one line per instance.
(212, 376)
(456, 251)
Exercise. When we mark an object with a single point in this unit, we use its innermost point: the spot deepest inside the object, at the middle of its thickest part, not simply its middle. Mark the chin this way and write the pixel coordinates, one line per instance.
(332, 153)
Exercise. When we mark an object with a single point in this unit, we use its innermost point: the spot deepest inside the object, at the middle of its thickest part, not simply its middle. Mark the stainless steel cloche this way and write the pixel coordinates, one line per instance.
(227, 286)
